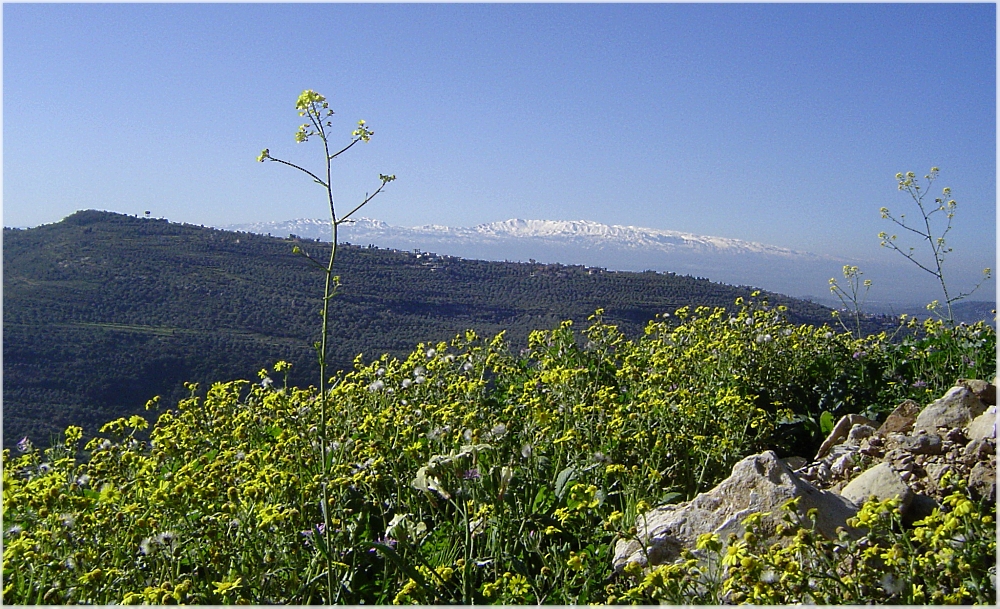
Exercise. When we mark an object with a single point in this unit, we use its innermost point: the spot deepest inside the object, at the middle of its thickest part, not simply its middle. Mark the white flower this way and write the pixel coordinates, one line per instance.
(891, 584)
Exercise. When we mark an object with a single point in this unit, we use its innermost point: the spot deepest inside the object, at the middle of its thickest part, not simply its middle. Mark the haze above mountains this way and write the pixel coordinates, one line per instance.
(899, 287)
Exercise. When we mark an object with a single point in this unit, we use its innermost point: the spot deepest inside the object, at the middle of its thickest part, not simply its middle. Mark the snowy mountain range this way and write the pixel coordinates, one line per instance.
(625, 248)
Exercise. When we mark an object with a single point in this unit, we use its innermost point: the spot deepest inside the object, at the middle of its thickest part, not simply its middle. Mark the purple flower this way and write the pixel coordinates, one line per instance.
(919, 384)
(309, 533)
(859, 354)
(471, 474)
(384, 540)
(24, 445)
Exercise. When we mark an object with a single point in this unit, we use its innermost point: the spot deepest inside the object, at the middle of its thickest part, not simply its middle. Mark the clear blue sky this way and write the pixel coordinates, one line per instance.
(781, 123)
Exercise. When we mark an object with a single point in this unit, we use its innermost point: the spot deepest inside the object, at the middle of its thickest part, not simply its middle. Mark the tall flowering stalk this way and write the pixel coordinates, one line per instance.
(857, 296)
(314, 107)
(939, 248)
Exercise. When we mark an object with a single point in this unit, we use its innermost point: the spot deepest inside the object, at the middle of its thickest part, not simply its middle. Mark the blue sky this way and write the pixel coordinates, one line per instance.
(778, 123)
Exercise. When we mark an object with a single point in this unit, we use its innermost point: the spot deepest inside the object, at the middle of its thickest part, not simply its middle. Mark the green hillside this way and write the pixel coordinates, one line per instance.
(103, 311)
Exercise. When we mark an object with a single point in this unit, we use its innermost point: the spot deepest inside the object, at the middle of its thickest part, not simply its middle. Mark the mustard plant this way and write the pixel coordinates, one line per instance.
(934, 238)
(856, 298)
(314, 107)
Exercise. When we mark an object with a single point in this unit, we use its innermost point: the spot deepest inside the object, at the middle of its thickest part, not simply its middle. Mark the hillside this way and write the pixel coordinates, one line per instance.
(103, 311)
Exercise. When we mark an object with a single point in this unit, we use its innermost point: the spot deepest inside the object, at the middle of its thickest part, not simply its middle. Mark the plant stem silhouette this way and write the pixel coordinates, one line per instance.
(939, 248)
(314, 107)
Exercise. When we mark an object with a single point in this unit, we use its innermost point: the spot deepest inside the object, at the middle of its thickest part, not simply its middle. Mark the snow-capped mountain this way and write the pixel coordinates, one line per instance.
(581, 233)
(626, 248)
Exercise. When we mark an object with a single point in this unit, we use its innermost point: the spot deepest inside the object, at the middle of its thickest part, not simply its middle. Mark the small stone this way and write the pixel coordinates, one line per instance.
(983, 481)
(956, 436)
(869, 450)
(842, 465)
(923, 444)
(979, 450)
(907, 466)
(859, 433)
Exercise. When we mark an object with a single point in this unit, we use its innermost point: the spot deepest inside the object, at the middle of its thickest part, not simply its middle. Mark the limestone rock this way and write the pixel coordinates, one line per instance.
(986, 392)
(983, 480)
(759, 483)
(984, 426)
(957, 408)
(880, 481)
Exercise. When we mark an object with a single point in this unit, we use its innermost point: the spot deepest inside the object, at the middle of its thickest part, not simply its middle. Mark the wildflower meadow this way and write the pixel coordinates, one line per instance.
(468, 473)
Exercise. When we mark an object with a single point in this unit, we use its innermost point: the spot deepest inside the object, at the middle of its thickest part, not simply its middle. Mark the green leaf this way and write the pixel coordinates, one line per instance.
(563, 479)
(543, 501)
(826, 422)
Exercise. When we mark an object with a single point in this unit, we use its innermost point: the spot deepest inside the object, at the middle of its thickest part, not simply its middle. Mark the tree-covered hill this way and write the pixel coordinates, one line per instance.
(103, 311)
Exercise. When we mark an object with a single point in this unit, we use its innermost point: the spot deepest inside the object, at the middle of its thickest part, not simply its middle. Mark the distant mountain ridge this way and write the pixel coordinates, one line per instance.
(579, 232)
(623, 248)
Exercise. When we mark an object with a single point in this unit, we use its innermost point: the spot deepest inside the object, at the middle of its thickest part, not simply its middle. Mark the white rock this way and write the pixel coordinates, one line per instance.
(759, 483)
(957, 408)
(881, 482)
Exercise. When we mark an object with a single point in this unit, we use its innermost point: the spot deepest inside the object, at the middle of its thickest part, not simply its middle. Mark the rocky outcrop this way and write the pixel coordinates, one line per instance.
(955, 409)
(905, 457)
(759, 483)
